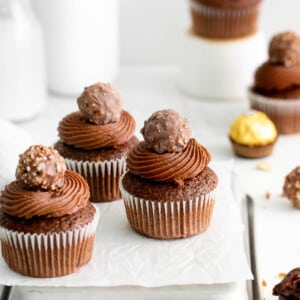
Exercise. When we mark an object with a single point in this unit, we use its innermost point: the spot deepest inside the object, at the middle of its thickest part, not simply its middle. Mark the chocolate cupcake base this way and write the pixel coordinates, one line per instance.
(183, 213)
(49, 254)
(102, 177)
(101, 168)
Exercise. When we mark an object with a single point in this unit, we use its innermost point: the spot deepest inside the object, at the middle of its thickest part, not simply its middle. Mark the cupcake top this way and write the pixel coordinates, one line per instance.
(289, 287)
(229, 4)
(43, 186)
(291, 187)
(282, 70)
(253, 128)
(100, 123)
(168, 154)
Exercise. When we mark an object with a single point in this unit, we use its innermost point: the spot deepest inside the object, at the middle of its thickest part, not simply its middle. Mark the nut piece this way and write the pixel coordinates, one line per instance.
(166, 131)
(284, 49)
(264, 166)
(41, 167)
(100, 104)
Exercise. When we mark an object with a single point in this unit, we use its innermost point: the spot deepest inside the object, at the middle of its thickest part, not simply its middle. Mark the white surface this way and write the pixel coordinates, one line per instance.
(12, 140)
(123, 257)
(22, 66)
(234, 291)
(82, 42)
(220, 70)
(277, 222)
(151, 31)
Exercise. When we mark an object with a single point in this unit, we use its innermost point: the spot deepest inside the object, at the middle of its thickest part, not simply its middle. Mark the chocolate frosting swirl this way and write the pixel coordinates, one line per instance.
(168, 167)
(276, 77)
(22, 203)
(75, 131)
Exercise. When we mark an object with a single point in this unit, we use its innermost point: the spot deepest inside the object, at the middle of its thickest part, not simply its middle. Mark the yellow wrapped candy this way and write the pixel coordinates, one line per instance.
(253, 129)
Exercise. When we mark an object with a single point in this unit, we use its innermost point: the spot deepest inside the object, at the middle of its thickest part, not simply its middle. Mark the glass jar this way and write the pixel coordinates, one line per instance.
(22, 66)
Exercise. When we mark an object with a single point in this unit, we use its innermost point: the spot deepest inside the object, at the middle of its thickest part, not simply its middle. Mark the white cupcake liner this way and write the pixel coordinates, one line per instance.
(102, 177)
(48, 255)
(168, 219)
(218, 22)
(285, 113)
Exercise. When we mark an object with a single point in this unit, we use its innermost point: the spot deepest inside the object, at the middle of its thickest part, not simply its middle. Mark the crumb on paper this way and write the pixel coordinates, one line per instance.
(281, 275)
(263, 283)
(267, 195)
(264, 166)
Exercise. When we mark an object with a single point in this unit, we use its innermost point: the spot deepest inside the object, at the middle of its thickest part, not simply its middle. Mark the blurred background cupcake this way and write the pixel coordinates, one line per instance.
(224, 18)
(169, 190)
(253, 135)
(276, 88)
(95, 140)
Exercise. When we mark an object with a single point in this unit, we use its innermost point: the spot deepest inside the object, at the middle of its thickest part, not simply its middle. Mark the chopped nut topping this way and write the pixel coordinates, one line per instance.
(281, 275)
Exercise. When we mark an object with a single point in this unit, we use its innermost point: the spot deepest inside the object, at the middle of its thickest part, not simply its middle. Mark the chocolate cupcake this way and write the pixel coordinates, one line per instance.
(289, 287)
(224, 19)
(276, 89)
(95, 140)
(253, 135)
(169, 191)
(47, 224)
(291, 187)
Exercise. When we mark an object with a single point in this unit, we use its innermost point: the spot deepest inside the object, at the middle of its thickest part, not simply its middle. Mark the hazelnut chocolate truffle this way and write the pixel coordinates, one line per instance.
(95, 140)
(289, 287)
(291, 187)
(41, 167)
(253, 135)
(276, 89)
(166, 131)
(46, 209)
(224, 19)
(100, 104)
(168, 176)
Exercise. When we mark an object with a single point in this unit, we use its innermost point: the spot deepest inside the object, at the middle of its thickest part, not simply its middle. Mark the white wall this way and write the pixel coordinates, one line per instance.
(150, 30)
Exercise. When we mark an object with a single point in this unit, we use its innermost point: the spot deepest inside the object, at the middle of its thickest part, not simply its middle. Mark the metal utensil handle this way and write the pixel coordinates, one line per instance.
(255, 284)
(6, 291)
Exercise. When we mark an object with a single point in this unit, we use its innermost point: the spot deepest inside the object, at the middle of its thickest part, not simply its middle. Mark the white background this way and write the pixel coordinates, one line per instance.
(150, 30)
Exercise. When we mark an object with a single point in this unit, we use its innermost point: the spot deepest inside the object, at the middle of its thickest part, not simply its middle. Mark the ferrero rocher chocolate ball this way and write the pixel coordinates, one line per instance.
(166, 131)
(41, 167)
(284, 49)
(100, 104)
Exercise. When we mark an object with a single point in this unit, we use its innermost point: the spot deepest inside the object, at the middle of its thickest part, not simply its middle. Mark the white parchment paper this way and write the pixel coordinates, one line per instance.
(123, 257)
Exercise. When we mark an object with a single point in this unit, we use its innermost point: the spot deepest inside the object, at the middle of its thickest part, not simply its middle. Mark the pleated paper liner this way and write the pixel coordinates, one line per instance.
(168, 219)
(212, 22)
(102, 177)
(48, 255)
(284, 113)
